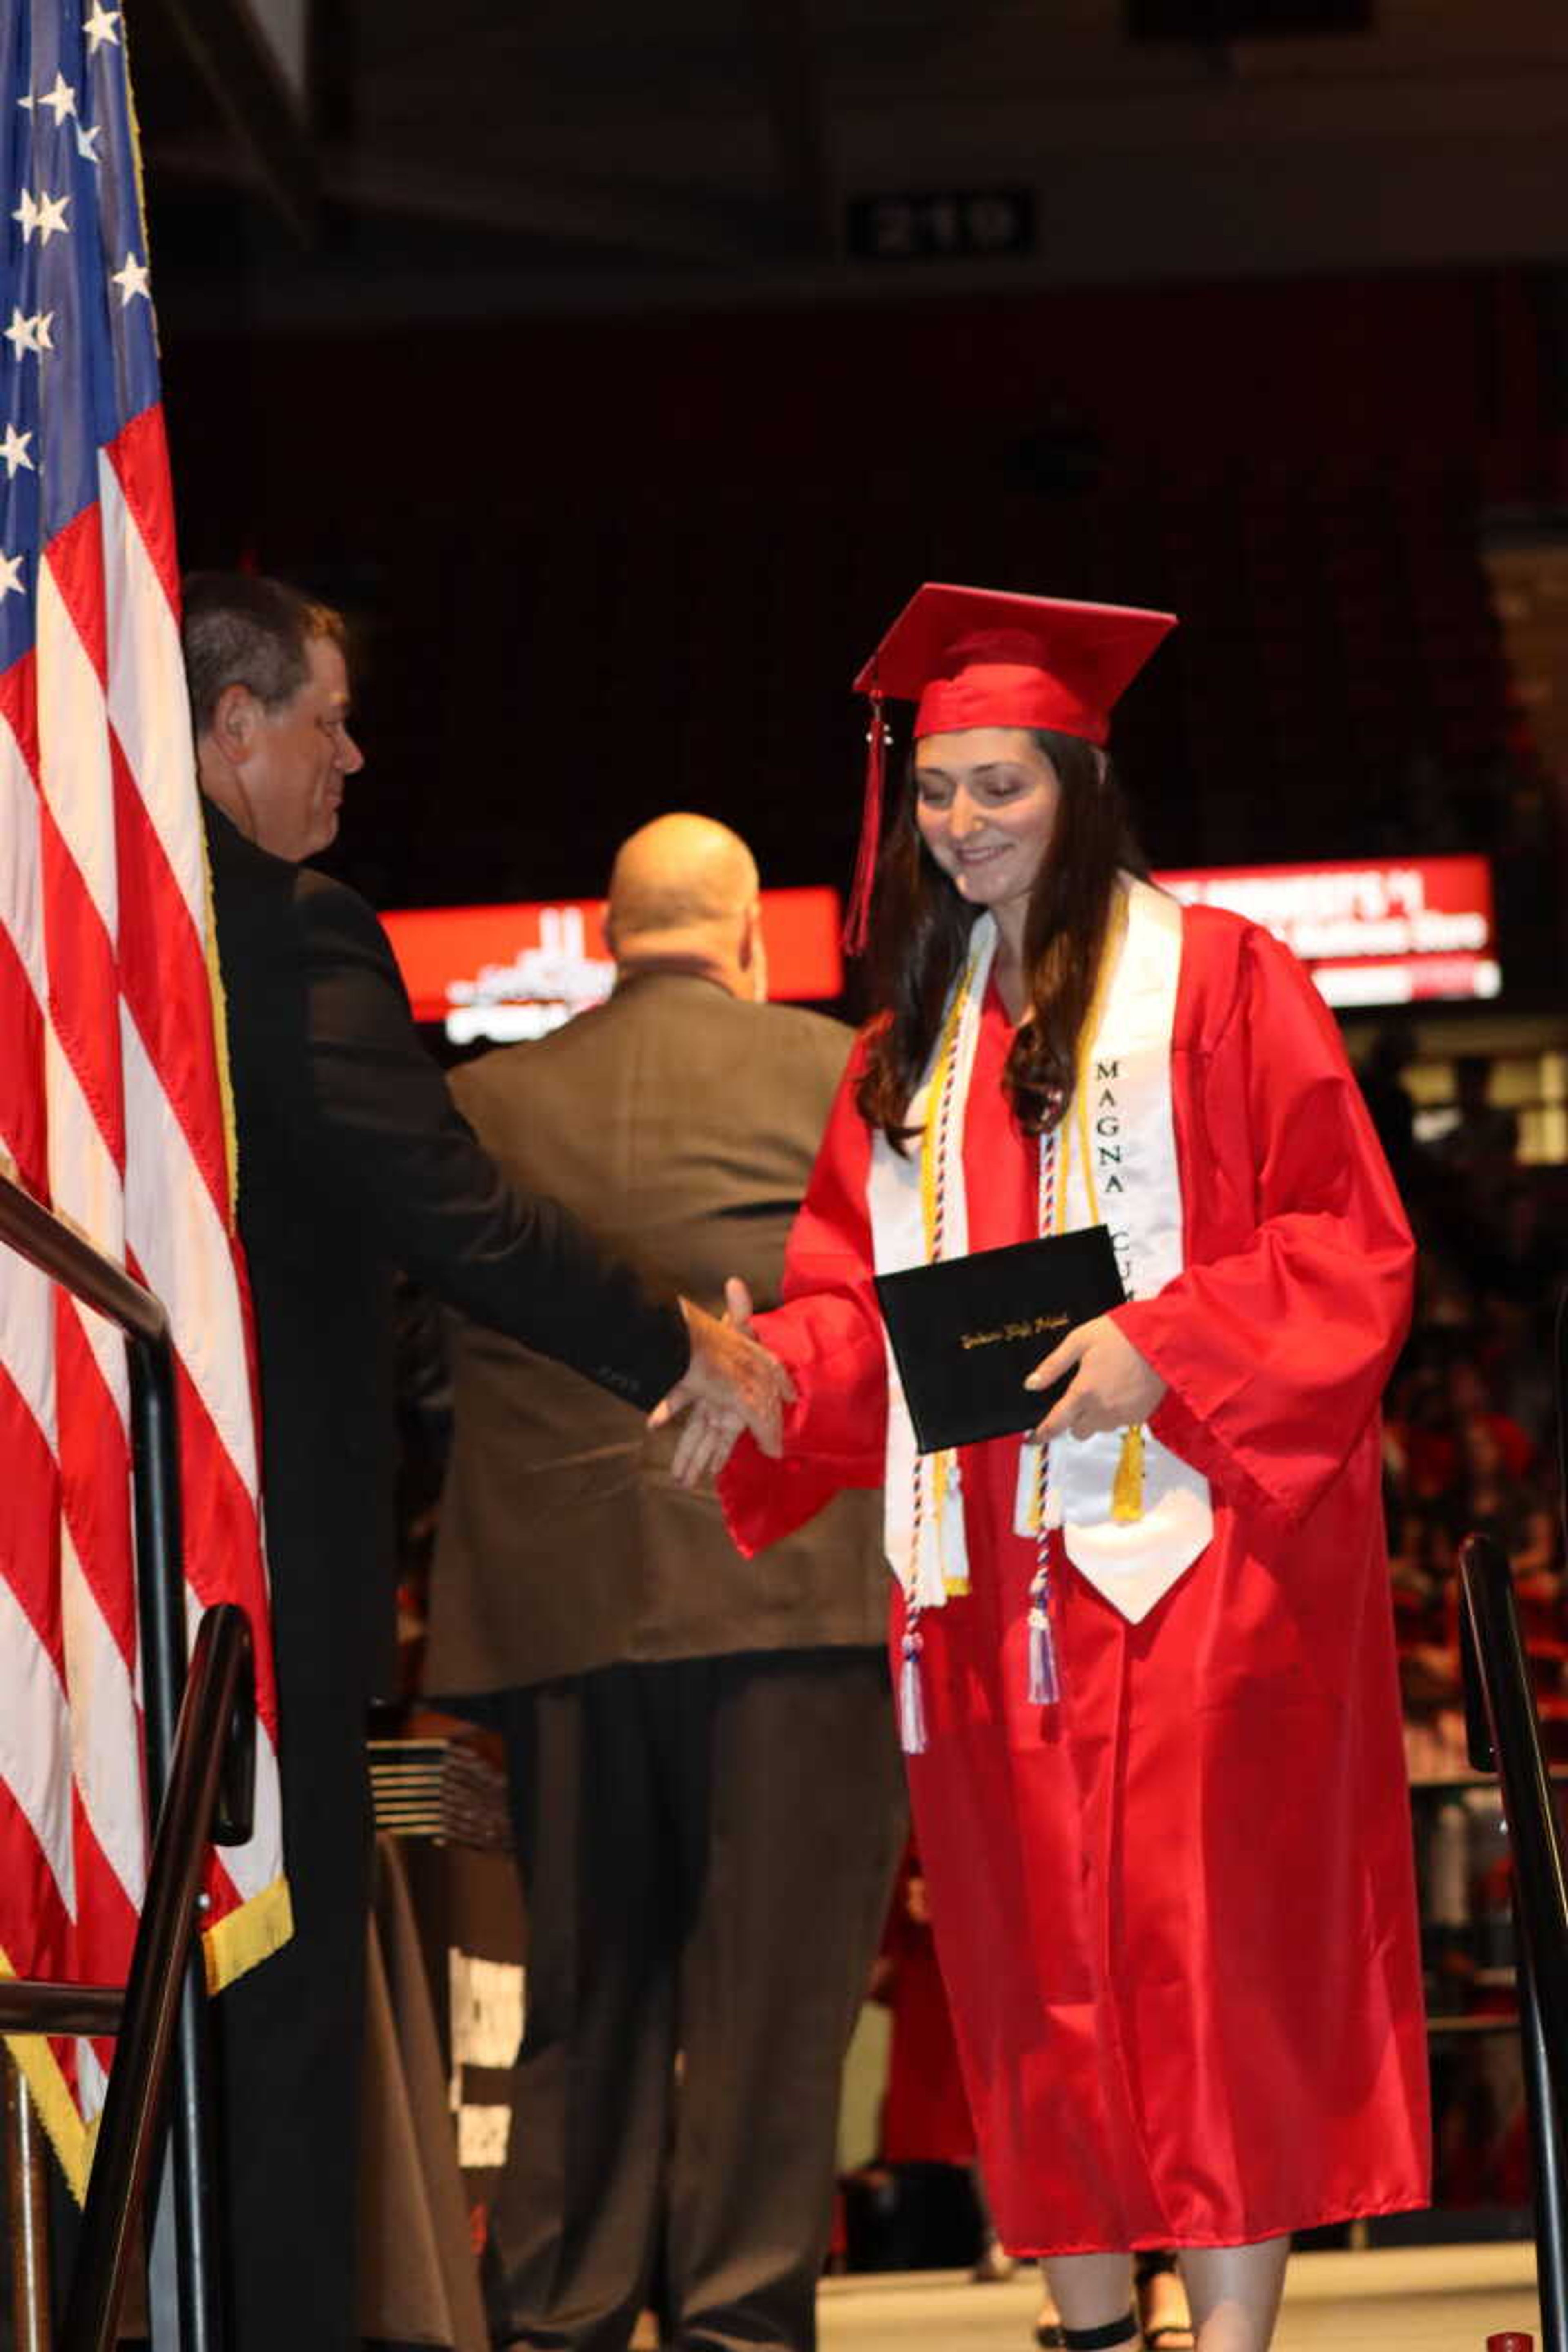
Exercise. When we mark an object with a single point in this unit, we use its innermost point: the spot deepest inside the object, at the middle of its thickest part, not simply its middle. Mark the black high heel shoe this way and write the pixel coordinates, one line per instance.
(1166, 2334)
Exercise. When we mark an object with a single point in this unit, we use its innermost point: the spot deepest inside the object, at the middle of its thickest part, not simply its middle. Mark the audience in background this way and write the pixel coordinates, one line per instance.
(1470, 1435)
(1471, 1445)
(1484, 1141)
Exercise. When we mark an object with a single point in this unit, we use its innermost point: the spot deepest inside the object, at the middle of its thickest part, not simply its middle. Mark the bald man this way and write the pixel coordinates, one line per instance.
(705, 1782)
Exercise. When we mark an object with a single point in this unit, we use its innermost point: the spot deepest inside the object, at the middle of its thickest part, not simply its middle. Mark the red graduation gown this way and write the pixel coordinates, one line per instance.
(1176, 1911)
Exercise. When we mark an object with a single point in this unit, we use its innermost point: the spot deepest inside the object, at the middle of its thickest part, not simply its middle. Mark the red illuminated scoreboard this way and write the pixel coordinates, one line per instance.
(1370, 932)
(506, 972)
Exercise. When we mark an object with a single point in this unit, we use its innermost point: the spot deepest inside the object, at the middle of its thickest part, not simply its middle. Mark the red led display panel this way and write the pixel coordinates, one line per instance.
(518, 971)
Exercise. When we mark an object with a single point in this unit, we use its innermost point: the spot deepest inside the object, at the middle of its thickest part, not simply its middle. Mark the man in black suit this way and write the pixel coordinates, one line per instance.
(706, 1786)
(352, 1161)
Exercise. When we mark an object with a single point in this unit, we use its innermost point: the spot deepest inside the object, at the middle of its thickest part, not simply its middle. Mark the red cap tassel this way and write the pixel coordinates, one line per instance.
(856, 921)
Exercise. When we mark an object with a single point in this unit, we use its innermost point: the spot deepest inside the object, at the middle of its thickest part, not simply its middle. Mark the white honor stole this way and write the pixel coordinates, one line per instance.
(1116, 1164)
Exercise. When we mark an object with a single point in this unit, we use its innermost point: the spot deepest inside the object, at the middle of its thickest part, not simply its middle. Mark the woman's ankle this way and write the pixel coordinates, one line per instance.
(1124, 2330)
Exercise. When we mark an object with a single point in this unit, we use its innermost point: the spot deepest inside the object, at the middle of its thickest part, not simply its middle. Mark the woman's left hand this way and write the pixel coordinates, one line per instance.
(1114, 1386)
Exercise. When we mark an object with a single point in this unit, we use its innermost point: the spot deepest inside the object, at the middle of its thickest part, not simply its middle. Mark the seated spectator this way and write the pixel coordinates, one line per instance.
(1484, 1142)
(1420, 1451)
(1513, 1511)
(1388, 1100)
(1532, 1220)
(1438, 1395)
(1471, 1403)
(1422, 1561)
(1519, 1351)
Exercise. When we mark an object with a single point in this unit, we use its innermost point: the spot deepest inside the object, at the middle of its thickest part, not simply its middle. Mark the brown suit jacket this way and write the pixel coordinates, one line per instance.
(683, 1124)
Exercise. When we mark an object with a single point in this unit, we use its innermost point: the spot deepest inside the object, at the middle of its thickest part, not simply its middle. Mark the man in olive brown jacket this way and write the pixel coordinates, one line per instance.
(705, 1782)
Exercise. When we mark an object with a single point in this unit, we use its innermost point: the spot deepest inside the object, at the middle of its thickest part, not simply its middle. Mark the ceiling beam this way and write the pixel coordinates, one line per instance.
(625, 215)
(618, 216)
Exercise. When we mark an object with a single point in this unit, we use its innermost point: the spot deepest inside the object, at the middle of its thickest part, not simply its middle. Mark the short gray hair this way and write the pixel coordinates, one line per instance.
(240, 630)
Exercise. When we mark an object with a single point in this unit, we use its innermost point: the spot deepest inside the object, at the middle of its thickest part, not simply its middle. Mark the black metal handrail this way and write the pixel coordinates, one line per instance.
(62, 1254)
(1505, 1737)
(28, 2005)
(219, 1689)
(57, 1250)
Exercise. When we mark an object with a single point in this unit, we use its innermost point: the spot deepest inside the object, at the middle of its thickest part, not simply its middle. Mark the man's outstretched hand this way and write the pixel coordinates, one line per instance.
(731, 1383)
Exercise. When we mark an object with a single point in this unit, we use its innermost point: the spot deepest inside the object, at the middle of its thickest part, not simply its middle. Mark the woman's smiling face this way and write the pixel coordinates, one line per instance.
(986, 803)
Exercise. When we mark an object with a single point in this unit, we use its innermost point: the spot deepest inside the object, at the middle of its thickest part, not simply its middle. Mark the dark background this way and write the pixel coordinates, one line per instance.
(535, 341)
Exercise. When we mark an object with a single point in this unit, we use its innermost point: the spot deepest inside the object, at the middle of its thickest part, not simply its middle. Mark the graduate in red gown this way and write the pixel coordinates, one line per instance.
(1146, 1664)
(925, 2112)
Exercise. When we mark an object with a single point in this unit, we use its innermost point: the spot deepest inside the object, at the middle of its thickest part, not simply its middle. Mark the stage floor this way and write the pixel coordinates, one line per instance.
(1394, 2299)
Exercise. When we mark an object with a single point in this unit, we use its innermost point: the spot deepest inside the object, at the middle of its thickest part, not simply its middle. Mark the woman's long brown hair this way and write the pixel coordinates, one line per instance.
(919, 937)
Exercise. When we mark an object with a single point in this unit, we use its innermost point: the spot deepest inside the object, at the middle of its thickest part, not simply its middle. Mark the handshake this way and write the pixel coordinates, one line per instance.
(731, 1383)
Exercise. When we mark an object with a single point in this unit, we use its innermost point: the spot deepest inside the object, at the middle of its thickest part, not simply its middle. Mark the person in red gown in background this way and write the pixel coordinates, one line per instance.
(925, 2113)
(1146, 1658)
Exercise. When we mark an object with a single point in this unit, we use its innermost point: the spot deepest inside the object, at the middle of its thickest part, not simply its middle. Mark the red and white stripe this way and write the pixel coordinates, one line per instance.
(112, 1112)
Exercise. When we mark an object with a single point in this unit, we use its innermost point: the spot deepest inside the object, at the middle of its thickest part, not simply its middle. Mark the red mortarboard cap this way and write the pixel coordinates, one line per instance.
(971, 657)
(977, 658)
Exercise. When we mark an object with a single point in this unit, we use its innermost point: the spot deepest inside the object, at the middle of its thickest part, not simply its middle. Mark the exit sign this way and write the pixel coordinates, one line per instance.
(951, 225)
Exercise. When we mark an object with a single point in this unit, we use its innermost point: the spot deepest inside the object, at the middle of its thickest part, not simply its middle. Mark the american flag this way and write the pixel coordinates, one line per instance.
(113, 1092)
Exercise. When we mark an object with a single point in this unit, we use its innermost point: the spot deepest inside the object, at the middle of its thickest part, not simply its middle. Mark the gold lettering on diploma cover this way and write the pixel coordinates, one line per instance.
(1031, 1328)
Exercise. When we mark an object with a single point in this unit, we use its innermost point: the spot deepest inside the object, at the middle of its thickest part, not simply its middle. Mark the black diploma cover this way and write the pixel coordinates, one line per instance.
(966, 1331)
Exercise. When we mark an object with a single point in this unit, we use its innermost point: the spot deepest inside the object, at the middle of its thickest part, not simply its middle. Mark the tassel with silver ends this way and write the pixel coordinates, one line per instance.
(1045, 1683)
(1044, 1687)
(911, 1697)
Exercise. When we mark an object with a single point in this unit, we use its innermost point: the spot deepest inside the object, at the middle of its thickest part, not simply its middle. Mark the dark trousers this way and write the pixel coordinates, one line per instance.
(706, 1847)
(290, 2039)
